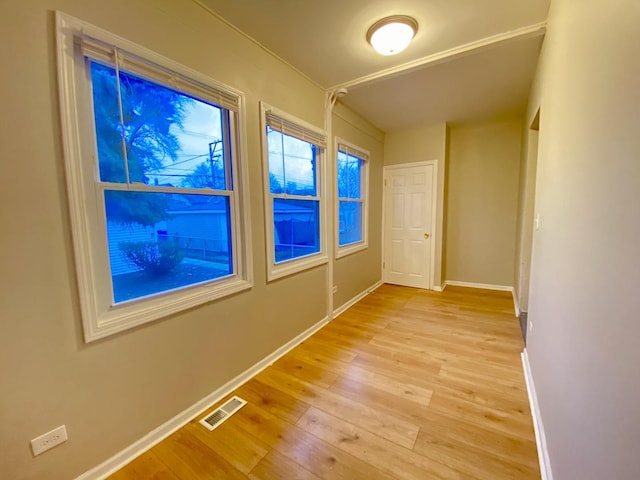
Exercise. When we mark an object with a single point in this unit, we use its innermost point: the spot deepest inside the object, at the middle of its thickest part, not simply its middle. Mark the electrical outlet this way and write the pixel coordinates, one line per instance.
(335, 289)
(49, 440)
(530, 328)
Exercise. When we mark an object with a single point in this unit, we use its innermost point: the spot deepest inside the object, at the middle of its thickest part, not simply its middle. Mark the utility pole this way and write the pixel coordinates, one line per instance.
(212, 152)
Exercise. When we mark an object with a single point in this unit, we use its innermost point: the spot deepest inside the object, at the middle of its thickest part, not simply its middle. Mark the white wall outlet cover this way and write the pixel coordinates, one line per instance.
(49, 440)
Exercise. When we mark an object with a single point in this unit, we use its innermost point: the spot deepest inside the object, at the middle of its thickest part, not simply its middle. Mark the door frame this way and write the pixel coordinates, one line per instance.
(436, 236)
(527, 213)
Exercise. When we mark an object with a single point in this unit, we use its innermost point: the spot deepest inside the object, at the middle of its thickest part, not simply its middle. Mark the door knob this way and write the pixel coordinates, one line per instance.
(426, 235)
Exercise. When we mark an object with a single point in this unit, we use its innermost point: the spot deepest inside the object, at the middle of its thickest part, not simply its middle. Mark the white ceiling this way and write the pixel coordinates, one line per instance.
(491, 83)
(325, 39)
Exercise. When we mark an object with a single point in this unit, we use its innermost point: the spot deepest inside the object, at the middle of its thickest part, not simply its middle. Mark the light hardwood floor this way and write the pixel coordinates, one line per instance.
(406, 384)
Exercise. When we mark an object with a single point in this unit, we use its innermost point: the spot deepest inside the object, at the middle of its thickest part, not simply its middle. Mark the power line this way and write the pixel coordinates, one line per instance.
(199, 134)
(288, 155)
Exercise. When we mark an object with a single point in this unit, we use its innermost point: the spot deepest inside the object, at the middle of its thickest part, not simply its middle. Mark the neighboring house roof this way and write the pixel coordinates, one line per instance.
(186, 204)
(191, 203)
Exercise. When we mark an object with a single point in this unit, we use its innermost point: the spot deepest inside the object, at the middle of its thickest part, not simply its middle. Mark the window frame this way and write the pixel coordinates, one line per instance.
(85, 188)
(292, 266)
(364, 156)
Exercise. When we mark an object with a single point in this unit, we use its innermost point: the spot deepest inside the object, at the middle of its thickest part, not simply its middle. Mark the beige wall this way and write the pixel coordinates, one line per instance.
(112, 392)
(585, 275)
(428, 142)
(415, 145)
(482, 202)
(356, 272)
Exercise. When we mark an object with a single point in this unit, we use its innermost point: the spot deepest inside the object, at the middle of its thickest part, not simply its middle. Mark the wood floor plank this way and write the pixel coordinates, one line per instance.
(311, 373)
(387, 383)
(406, 384)
(468, 459)
(188, 457)
(391, 427)
(273, 400)
(230, 443)
(385, 455)
(327, 347)
(394, 365)
(317, 456)
(514, 421)
(327, 461)
(381, 400)
(148, 466)
(276, 466)
(508, 447)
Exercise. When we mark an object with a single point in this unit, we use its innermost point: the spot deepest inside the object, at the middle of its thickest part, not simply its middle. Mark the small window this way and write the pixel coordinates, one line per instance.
(294, 162)
(152, 154)
(352, 189)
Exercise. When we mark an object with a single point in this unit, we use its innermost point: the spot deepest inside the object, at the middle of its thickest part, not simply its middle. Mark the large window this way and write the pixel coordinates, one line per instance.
(294, 154)
(152, 153)
(352, 189)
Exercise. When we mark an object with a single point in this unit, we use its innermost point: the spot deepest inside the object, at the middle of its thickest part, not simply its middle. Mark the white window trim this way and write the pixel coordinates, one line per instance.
(343, 251)
(289, 267)
(88, 219)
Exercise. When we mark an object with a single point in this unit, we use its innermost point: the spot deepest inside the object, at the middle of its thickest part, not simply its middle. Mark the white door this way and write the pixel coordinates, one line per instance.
(408, 235)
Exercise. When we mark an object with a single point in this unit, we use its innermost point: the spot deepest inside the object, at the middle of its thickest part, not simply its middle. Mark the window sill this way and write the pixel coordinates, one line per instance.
(285, 269)
(351, 249)
(123, 317)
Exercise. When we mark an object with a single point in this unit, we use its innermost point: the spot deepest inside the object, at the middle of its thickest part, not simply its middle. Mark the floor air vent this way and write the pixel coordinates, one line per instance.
(223, 412)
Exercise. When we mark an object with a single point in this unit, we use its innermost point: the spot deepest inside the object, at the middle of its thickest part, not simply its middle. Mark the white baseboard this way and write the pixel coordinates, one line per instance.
(516, 304)
(486, 286)
(356, 299)
(125, 456)
(541, 441)
(440, 288)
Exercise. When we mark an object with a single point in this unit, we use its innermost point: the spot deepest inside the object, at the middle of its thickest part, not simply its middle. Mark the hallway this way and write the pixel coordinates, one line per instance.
(406, 384)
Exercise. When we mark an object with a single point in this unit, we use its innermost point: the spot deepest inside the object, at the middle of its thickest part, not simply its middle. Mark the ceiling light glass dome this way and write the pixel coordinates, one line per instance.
(392, 35)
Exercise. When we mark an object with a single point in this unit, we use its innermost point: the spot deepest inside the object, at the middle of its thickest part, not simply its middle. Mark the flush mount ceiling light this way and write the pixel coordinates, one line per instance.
(392, 35)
